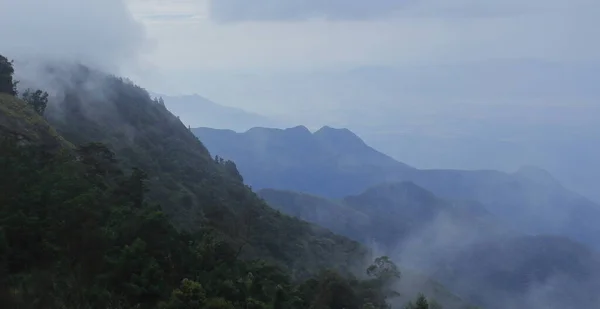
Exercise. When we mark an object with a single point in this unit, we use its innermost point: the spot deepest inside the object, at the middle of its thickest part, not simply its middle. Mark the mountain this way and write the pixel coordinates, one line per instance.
(329, 162)
(335, 163)
(388, 215)
(195, 110)
(458, 243)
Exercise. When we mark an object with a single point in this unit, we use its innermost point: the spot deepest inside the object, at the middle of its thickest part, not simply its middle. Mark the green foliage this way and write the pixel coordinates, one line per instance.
(77, 232)
(7, 85)
(37, 99)
(189, 295)
(384, 269)
(422, 303)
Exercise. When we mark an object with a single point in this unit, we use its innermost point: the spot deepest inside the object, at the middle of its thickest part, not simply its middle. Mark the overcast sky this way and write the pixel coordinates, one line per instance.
(267, 55)
(316, 34)
(435, 68)
(333, 61)
(243, 53)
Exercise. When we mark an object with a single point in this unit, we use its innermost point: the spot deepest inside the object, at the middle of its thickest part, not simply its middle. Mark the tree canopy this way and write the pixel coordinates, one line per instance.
(7, 85)
(37, 99)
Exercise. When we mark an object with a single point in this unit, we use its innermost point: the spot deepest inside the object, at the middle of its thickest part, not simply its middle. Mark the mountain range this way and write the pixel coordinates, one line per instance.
(334, 163)
(501, 240)
(112, 202)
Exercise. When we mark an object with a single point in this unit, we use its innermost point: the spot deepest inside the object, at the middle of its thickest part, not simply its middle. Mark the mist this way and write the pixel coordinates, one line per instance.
(97, 33)
(69, 44)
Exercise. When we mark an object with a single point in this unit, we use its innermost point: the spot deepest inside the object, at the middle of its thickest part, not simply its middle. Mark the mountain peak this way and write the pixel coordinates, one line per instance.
(299, 129)
(401, 188)
(340, 136)
(293, 131)
(536, 174)
(332, 130)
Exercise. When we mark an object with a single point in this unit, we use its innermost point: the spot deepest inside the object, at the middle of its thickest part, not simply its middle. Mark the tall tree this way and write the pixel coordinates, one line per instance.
(421, 302)
(7, 85)
(37, 99)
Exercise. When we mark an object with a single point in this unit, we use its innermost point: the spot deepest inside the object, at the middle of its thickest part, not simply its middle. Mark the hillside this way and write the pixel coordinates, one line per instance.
(457, 243)
(335, 163)
(79, 228)
(76, 231)
(22, 123)
(192, 188)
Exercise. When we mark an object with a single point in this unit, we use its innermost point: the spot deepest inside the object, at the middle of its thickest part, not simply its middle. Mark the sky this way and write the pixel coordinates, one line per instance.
(276, 57)
(404, 74)
(229, 49)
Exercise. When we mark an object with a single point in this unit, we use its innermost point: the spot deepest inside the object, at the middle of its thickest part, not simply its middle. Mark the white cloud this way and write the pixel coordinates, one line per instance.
(97, 32)
(424, 32)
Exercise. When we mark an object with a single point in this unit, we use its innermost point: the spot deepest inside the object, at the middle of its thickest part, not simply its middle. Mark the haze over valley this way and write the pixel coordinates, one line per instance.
(264, 154)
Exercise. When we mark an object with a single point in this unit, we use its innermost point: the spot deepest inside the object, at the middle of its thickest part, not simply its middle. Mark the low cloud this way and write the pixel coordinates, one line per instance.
(99, 33)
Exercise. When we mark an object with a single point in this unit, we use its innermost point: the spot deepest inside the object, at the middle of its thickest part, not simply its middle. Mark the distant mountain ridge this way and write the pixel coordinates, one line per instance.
(296, 159)
(334, 163)
(195, 110)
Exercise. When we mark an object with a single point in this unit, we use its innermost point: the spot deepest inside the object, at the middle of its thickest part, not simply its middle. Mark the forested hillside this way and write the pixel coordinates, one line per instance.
(194, 189)
(115, 204)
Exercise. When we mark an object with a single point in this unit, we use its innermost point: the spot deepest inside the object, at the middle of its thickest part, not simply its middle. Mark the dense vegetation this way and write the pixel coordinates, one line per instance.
(80, 228)
(7, 85)
(77, 232)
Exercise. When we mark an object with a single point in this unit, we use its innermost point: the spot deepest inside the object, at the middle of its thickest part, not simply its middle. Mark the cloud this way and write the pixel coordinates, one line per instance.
(295, 10)
(243, 10)
(432, 32)
(100, 33)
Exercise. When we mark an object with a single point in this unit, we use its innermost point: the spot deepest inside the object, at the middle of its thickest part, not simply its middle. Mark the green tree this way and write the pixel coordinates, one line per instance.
(279, 298)
(385, 275)
(420, 303)
(7, 85)
(37, 99)
(384, 269)
(190, 295)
